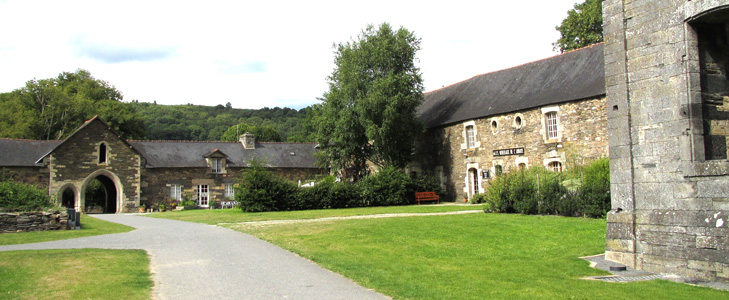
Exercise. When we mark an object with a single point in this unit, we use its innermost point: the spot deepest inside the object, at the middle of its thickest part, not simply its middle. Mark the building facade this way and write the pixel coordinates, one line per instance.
(667, 88)
(547, 113)
(136, 173)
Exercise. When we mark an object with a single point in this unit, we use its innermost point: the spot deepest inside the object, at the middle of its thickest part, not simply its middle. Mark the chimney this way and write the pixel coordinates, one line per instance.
(248, 140)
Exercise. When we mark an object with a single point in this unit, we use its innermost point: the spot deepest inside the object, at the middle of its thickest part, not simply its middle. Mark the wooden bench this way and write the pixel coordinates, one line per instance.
(426, 196)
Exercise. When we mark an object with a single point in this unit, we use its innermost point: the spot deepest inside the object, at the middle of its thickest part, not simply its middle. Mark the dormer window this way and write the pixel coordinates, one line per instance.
(102, 154)
(217, 165)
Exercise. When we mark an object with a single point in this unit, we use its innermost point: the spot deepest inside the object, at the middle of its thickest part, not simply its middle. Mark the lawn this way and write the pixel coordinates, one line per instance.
(218, 216)
(90, 226)
(75, 274)
(471, 256)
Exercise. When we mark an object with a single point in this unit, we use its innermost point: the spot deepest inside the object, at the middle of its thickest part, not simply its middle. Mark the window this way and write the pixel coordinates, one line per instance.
(176, 192)
(522, 166)
(470, 137)
(518, 121)
(498, 170)
(229, 191)
(102, 153)
(555, 166)
(217, 164)
(551, 120)
(494, 126)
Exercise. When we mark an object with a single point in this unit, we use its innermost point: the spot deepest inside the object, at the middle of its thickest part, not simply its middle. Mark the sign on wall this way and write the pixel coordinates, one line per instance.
(511, 151)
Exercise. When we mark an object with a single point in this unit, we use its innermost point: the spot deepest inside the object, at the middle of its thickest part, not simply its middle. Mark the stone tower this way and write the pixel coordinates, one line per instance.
(666, 66)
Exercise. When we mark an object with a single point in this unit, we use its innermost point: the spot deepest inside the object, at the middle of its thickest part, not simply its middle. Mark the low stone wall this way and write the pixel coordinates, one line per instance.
(34, 221)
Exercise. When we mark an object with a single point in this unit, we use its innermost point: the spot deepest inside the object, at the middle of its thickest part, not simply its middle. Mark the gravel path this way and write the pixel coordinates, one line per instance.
(197, 261)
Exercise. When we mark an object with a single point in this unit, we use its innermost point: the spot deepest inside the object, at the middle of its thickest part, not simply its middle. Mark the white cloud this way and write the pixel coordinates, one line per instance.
(257, 53)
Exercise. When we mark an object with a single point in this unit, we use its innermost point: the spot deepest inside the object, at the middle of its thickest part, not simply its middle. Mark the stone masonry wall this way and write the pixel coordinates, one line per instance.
(670, 200)
(76, 161)
(37, 176)
(156, 182)
(33, 221)
(582, 130)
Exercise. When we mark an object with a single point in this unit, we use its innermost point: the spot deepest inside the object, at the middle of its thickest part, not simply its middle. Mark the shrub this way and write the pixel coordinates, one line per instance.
(594, 193)
(478, 198)
(22, 197)
(386, 187)
(261, 190)
(497, 195)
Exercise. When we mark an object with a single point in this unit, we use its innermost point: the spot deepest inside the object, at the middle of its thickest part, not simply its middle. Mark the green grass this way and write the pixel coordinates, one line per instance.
(217, 216)
(89, 226)
(472, 256)
(75, 274)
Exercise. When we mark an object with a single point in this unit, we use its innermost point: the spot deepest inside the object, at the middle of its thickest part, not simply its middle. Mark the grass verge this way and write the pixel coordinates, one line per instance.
(90, 226)
(75, 274)
(472, 256)
(217, 216)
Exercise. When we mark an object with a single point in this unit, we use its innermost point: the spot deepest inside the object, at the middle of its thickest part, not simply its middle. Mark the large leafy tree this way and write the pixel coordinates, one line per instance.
(369, 112)
(582, 27)
(52, 108)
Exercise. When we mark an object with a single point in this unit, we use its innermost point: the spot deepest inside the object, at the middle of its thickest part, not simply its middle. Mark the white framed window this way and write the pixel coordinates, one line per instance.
(555, 166)
(470, 137)
(552, 127)
(176, 192)
(217, 165)
(229, 191)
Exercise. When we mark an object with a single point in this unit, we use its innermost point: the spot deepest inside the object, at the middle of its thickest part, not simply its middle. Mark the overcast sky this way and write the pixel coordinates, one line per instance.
(258, 53)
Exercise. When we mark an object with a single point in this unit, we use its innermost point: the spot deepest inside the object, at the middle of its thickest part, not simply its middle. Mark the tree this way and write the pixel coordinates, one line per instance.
(52, 108)
(368, 114)
(262, 133)
(581, 28)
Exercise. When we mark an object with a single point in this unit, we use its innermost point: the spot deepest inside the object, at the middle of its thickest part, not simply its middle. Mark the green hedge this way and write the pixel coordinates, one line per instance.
(581, 191)
(22, 197)
(261, 190)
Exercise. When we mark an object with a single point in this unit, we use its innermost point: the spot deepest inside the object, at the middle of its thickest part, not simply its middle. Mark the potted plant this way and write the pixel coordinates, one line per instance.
(142, 208)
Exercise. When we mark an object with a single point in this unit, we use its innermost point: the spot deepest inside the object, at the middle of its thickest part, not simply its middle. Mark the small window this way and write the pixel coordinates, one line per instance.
(518, 122)
(522, 166)
(102, 153)
(229, 191)
(498, 170)
(494, 126)
(217, 164)
(551, 118)
(555, 166)
(176, 192)
(470, 137)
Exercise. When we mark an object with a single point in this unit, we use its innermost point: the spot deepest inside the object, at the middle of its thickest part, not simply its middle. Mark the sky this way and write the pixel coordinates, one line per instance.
(257, 54)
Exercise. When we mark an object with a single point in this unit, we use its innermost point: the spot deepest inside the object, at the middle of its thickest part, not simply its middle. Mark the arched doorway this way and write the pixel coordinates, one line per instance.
(100, 195)
(68, 198)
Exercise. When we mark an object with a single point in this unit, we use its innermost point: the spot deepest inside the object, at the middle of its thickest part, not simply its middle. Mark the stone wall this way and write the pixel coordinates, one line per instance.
(670, 195)
(77, 161)
(33, 221)
(37, 176)
(156, 182)
(582, 137)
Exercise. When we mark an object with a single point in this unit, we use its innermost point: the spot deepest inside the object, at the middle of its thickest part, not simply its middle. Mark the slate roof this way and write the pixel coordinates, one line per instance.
(183, 154)
(24, 153)
(567, 77)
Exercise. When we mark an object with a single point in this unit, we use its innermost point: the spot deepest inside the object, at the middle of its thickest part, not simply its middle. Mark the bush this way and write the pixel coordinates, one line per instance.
(261, 190)
(594, 194)
(22, 197)
(386, 187)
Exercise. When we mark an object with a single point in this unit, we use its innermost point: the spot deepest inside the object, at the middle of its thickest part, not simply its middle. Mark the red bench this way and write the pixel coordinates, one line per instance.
(426, 196)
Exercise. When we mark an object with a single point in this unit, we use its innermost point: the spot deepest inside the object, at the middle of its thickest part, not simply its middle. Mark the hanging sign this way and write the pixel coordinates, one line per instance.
(512, 151)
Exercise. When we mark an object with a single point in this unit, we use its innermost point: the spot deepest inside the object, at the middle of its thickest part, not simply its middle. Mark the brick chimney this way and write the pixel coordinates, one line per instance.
(248, 140)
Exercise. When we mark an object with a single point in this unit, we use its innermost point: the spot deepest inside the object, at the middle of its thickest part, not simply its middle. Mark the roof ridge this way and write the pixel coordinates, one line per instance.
(514, 67)
(29, 140)
(181, 141)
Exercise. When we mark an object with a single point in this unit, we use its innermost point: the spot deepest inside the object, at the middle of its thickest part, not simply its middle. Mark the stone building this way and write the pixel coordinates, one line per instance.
(547, 113)
(666, 73)
(145, 172)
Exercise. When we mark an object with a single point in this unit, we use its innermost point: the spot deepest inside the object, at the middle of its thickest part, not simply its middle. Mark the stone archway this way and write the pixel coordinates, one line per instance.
(101, 193)
(68, 195)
